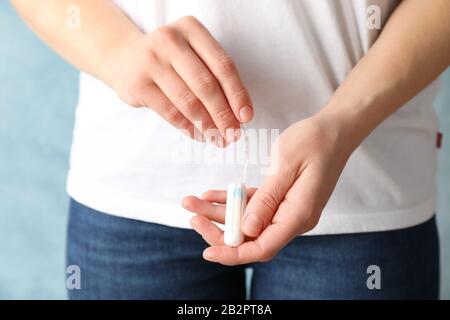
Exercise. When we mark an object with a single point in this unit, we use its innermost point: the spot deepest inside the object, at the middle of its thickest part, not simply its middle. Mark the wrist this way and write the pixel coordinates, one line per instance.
(112, 57)
(348, 125)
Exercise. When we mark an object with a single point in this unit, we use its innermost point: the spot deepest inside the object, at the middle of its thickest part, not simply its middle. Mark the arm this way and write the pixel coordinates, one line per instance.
(413, 49)
(178, 70)
(102, 29)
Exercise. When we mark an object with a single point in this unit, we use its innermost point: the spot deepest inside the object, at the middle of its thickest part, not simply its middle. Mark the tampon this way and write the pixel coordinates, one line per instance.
(236, 203)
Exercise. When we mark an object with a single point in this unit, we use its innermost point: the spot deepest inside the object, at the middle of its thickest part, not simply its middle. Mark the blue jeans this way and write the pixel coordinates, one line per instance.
(126, 259)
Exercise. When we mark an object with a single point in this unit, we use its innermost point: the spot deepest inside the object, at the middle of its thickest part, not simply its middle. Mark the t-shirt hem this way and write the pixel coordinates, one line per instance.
(343, 223)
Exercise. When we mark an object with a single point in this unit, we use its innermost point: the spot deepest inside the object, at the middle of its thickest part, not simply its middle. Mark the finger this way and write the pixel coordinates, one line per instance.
(264, 203)
(307, 197)
(187, 103)
(205, 86)
(204, 208)
(264, 248)
(154, 99)
(222, 67)
(208, 230)
(220, 196)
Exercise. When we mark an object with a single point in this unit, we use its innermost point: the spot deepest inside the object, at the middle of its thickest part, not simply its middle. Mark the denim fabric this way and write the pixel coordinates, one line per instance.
(127, 259)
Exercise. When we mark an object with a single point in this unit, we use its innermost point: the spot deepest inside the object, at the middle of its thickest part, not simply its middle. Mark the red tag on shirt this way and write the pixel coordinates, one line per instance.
(439, 137)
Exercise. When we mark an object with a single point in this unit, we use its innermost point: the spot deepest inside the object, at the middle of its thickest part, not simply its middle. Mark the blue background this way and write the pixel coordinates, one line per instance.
(38, 94)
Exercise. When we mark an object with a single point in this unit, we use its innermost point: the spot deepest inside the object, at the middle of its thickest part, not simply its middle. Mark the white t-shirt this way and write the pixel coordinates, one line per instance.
(292, 55)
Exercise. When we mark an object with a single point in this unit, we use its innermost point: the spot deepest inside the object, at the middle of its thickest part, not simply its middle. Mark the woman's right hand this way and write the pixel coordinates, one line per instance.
(181, 72)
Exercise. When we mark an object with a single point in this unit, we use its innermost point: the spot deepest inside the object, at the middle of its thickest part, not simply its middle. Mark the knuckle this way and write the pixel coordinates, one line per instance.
(189, 102)
(189, 20)
(174, 116)
(128, 95)
(241, 94)
(166, 34)
(206, 83)
(226, 65)
(225, 117)
(152, 58)
(133, 93)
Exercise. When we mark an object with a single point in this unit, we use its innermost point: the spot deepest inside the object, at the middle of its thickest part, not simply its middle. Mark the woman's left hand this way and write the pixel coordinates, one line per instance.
(307, 160)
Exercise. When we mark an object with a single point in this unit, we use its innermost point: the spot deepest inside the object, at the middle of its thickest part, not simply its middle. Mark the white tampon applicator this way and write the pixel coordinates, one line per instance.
(236, 203)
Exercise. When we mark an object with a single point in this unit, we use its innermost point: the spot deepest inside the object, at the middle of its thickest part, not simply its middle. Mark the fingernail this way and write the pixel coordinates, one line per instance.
(207, 255)
(253, 225)
(245, 114)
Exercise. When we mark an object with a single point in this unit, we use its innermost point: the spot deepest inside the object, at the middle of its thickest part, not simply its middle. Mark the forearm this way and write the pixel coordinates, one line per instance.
(412, 51)
(103, 27)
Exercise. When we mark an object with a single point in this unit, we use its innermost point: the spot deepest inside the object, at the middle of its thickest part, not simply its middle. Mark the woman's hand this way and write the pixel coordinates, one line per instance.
(307, 160)
(181, 72)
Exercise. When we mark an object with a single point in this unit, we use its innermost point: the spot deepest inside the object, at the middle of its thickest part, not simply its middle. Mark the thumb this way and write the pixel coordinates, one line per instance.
(264, 203)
